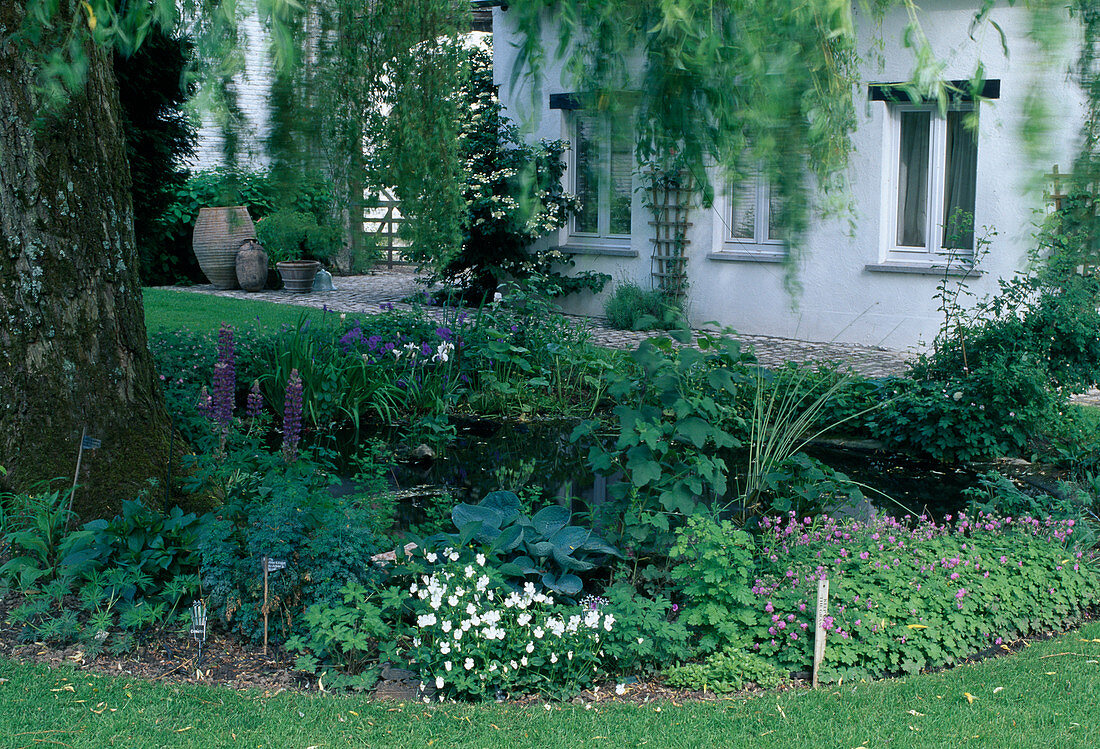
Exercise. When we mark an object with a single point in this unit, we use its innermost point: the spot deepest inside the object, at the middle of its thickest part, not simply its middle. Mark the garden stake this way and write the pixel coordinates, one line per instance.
(76, 475)
(265, 605)
(819, 625)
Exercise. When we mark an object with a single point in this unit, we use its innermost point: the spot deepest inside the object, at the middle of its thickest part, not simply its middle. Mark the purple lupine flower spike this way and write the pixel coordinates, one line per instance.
(255, 401)
(225, 378)
(292, 416)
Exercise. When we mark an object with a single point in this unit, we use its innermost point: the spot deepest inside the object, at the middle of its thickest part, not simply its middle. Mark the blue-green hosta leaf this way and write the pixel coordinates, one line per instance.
(549, 520)
(570, 538)
(568, 562)
(508, 539)
(504, 502)
(526, 564)
(464, 514)
(567, 583)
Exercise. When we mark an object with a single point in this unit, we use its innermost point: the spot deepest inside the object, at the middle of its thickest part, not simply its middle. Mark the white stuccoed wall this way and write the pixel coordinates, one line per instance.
(841, 300)
(253, 93)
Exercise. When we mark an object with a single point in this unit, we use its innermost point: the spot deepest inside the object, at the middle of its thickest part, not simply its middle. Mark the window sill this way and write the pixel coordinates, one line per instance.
(924, 269)
(610, 250)
(748, 256)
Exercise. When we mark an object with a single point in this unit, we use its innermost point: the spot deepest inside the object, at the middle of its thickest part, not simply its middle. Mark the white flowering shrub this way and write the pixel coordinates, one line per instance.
(475, 638)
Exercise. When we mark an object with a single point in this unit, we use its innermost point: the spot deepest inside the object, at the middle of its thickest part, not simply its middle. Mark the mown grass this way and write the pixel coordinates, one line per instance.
(167, 309)
(1047, 695)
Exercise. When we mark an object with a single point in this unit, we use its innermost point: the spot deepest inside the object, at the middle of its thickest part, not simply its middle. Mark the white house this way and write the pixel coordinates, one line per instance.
(874, 284)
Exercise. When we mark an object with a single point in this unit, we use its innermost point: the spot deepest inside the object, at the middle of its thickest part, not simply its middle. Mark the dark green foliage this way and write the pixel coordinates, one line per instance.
(728, 670)
(513, 190)
(544, 545)
(153, 89)
(128, 574)
(295, 235)
(715, 570)
(680, 417)
(281, 511)
(648, 635)
(343, 638)
(630, 307)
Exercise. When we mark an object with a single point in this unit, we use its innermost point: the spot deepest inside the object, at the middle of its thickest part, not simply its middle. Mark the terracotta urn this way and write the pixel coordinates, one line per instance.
(219, 232)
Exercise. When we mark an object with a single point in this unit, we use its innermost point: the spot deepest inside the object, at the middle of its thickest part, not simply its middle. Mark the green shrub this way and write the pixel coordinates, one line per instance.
(281, 511)
(632, 308)
(728, 670)
(296, 235)
(342, 639)
(648, 637)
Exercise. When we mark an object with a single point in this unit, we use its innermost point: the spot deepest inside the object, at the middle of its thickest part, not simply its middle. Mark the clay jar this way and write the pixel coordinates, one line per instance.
(251, 266)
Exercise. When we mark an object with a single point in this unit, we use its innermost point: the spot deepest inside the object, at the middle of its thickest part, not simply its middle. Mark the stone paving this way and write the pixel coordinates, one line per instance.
(365, 295)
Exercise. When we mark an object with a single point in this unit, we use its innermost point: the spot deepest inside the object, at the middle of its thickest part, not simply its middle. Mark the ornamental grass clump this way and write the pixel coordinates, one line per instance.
(476, 639)
(903, 598)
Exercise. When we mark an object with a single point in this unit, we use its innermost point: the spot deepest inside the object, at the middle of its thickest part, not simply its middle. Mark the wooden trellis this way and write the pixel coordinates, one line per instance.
(670, 202)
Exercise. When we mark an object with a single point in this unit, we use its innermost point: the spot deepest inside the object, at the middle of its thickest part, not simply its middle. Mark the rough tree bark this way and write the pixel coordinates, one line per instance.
(73, 350)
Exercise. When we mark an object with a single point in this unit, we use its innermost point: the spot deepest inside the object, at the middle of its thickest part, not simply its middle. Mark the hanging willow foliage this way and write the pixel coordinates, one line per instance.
(365, 91)
(745, 85)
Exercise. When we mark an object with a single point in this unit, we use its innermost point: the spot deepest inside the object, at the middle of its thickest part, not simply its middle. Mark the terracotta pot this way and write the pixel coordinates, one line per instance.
(218, 234)
(251, 266)
(298, 275)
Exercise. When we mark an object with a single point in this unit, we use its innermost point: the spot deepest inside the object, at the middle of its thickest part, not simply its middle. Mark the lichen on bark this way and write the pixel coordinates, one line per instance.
(73, 351)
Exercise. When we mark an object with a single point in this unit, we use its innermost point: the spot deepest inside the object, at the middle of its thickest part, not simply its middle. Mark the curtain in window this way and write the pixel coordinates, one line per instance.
(960, 184)
(913, 179)
(622, 169)
(744, 208)
(586, 181)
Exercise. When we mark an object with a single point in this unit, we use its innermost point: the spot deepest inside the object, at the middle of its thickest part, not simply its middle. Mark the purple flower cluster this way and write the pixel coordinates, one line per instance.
(292, 416)
(255, 401)
(225, 379)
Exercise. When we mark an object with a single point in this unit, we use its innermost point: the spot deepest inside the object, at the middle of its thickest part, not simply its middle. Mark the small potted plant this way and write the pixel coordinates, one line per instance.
(296, 243)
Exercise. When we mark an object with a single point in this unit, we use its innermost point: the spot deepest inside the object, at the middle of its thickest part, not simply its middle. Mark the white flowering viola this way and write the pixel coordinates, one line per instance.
(475, 637)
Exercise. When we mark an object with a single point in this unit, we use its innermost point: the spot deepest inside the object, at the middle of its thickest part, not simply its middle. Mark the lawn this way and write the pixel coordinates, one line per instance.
(1043, 696)
(167, 309)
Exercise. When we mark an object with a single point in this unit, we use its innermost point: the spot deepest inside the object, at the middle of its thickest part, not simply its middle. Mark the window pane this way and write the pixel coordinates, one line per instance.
(913, 179)
(959, 185)
(585, 180)
(743, 220)
(775, 208)
(622, 167)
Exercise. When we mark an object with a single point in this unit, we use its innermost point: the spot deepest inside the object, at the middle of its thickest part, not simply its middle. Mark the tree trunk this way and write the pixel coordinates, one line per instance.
(73, 350)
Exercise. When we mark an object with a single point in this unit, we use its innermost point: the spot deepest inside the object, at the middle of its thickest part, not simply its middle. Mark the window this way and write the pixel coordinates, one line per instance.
(754, 213)
(748, 219)
(932, 172)
(602, 175)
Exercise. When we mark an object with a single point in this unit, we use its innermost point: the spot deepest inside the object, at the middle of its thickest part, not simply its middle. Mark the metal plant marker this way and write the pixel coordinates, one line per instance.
(86, 443)
(819, 625)
(269, 565)
(198, 626)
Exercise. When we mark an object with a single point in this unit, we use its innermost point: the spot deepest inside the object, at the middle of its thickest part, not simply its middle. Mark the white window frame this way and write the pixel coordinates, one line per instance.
(760, 246)
(603, 237)
(933, 252)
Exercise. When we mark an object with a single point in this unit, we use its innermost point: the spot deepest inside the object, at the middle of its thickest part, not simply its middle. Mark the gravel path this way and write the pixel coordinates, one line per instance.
(366, 294)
